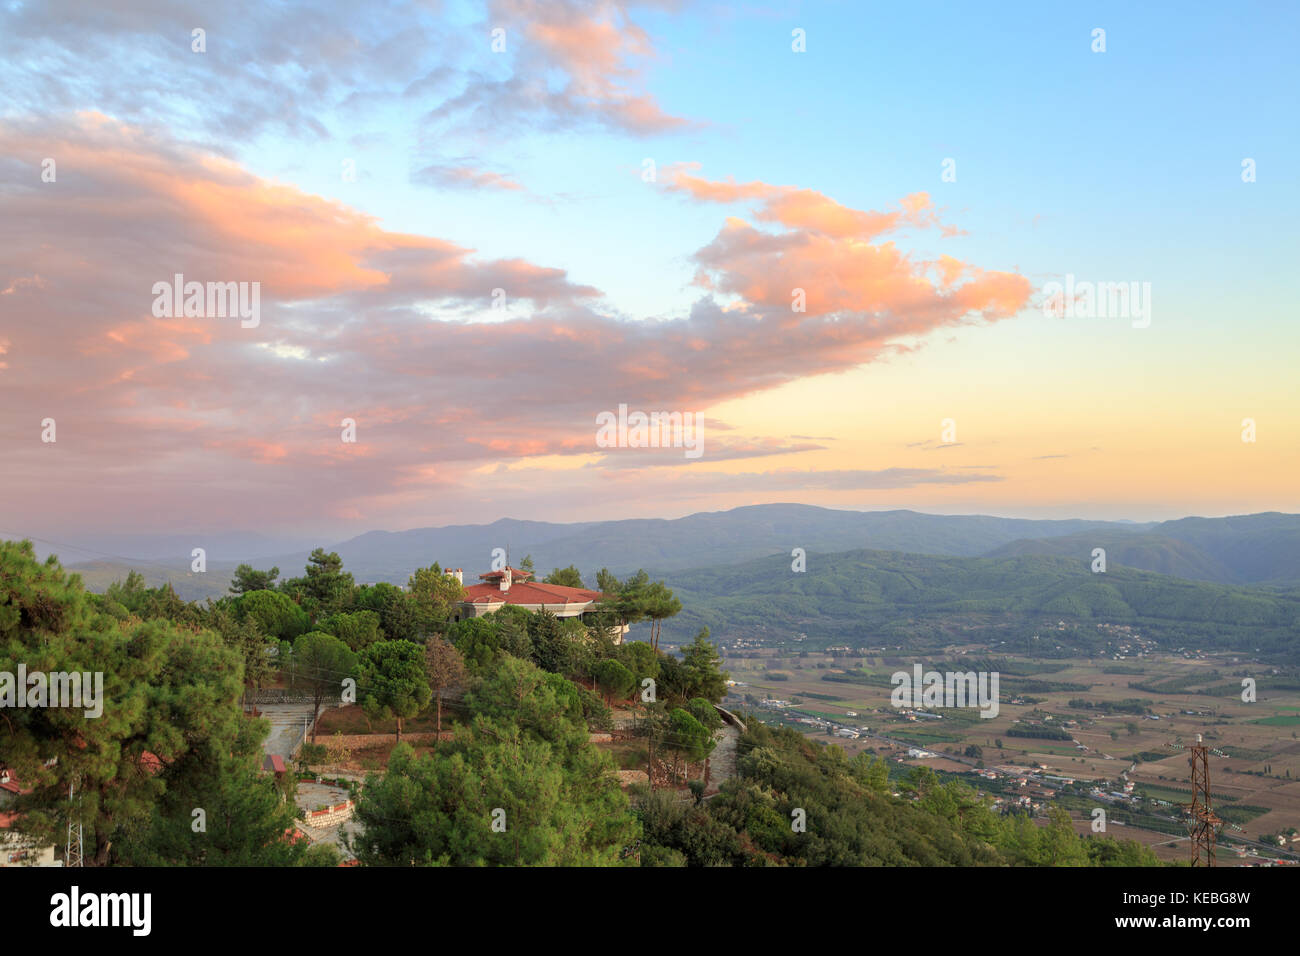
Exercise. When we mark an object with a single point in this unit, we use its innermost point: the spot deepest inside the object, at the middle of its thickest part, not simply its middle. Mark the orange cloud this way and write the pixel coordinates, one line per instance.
(807, 209)
(381, 327)
(825, 255)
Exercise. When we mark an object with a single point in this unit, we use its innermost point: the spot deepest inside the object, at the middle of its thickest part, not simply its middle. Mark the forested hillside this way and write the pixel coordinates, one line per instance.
(887, 596)
(1243, 549)
(852, 817)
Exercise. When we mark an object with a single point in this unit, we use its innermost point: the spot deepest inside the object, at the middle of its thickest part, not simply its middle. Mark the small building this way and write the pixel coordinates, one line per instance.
(15, 849)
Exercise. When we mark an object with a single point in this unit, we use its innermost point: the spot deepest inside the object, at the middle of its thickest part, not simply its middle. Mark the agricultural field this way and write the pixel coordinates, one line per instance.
(1118, 721)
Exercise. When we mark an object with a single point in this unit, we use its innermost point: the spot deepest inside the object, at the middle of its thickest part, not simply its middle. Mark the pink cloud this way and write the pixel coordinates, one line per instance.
(382, 327)
(824, 254)
(806, 209)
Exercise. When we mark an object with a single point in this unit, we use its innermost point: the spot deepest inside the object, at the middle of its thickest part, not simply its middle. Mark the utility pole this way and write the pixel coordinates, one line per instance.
(1201, 820)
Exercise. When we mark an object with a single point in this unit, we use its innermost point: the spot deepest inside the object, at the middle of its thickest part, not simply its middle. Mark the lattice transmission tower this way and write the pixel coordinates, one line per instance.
(1202, 823)
(73, 855)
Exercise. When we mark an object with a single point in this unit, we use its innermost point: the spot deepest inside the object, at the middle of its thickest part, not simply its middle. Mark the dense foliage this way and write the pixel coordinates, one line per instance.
(171, 737)
(851, 816)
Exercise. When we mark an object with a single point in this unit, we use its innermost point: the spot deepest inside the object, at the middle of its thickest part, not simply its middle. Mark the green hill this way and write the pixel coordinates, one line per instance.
(1243, 549)
(892, 597)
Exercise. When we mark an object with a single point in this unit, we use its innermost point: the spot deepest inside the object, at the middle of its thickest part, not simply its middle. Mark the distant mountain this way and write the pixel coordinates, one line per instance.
(1249, 549)
(1244, 549)
(231, 546)
(865, 597)
(189, 586)
(720, 537)
(393, 555)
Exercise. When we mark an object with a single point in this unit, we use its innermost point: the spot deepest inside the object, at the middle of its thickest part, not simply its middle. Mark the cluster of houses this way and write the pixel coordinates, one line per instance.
(1031, 789)
(1126, 642)
(1124, 795)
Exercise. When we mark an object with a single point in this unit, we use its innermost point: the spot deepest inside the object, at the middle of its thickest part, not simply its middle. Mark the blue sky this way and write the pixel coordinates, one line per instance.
(1063, 156)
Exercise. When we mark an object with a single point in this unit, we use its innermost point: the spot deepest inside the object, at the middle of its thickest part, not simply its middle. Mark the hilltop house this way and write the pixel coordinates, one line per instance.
(516, 586)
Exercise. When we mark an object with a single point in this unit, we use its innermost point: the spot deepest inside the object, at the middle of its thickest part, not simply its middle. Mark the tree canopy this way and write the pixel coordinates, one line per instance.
(392, 682)
(171, 729)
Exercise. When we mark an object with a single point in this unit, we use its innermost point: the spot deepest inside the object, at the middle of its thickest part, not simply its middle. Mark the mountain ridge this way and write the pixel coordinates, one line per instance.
(1261, 548)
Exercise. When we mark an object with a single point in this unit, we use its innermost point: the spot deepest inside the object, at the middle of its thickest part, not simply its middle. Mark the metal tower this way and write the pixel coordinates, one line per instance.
(73, 855)
(1201, 820)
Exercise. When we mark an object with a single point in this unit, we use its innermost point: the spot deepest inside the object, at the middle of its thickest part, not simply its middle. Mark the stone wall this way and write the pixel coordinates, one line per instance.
(330, 816)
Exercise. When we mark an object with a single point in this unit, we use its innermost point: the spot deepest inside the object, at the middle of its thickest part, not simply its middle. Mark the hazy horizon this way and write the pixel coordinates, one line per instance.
(280, 544)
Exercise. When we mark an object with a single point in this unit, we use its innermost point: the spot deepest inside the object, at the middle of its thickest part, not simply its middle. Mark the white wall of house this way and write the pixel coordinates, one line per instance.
(15, 851)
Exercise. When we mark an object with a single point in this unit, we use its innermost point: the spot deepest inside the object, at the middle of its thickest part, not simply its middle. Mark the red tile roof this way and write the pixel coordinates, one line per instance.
(530, 592)
(516, 574)
(150, 762)
(10, 784)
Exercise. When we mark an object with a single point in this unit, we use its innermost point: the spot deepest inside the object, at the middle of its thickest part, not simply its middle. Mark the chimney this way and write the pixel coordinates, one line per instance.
(505, 579)
(457, 574)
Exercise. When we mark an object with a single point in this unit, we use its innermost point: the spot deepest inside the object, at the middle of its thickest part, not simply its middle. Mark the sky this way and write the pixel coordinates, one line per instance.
(835, 234)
